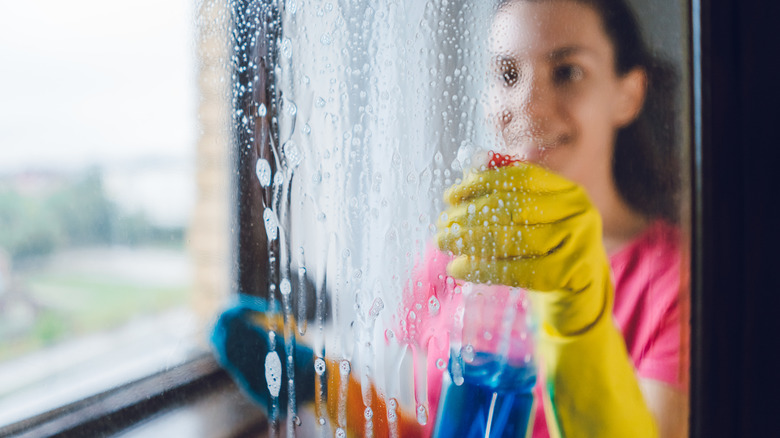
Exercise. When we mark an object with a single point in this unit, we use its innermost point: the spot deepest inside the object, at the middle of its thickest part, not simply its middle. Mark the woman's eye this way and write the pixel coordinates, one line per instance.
(567, 73)
(508, 76)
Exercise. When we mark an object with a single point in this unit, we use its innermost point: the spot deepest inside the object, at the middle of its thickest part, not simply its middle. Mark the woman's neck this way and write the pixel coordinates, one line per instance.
(621, 223)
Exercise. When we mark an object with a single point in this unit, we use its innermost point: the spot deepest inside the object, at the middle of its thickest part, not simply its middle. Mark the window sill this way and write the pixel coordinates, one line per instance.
(197, 397)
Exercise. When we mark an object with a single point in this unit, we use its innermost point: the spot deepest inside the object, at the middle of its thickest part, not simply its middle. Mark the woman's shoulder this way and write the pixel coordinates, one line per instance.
(656, 249)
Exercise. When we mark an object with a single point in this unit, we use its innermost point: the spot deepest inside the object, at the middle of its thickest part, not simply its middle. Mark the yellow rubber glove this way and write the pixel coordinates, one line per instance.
(524, 226)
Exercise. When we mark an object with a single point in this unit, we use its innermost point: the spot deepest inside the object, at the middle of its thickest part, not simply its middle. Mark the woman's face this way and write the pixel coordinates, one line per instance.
(556, 96)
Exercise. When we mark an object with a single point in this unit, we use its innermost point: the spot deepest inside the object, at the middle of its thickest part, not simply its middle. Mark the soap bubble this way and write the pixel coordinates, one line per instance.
(467, 353)
(376, 307)
(271, 224)
(285, 287)
(273, 373)
(433, 306)
(319, 366)
(345, 367)
(292, 154)
(263, 172)
(422, 415)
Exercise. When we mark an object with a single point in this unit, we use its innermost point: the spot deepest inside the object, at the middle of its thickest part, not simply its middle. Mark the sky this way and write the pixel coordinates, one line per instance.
(87, 82)
(103, 83)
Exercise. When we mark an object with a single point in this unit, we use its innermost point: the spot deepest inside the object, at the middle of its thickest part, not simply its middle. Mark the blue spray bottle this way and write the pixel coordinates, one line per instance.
(488, 391)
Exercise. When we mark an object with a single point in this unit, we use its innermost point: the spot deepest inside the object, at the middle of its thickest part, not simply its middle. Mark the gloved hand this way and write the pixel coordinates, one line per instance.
(241, 341)
(524, 226)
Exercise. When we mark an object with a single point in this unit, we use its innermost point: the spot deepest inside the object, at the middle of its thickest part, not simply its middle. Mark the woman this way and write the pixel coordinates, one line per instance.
(575, 94)
(571, 84)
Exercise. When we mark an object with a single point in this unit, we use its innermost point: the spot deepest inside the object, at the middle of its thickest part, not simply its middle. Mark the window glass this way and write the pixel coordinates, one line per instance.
(559, 125)
(107, 263)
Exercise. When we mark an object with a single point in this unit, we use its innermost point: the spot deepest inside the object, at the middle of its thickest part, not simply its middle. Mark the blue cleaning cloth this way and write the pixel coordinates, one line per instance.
(241, 346)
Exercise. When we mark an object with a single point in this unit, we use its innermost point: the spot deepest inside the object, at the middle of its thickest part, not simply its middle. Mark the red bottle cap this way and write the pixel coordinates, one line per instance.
(496, 160)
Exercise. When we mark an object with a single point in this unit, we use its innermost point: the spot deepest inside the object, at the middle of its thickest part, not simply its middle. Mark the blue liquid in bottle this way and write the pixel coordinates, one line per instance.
(495, 400)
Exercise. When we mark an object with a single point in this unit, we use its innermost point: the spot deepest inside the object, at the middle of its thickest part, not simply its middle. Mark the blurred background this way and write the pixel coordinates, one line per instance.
(113, 193)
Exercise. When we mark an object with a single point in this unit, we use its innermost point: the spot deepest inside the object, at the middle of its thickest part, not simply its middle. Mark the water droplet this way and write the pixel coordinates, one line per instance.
(472, 209)
(340, 433)
(345, 367)
(287, 48)
(433, 306)
(271, 224)
(285, 287)
(368, 413)
(392, 416)
(306, 129)
(457, 373)
(467, 353)
(422, 415)
(278, 179)
(292, 153)
(263, 172)
(376, 307)
(319, 366)
(292, 109)
(273, 373)
(262, 110)
(322, 421)
(389, 335)
(297, 420)
(292, 6)
(325, 39)
(441, 363)
(320, 102)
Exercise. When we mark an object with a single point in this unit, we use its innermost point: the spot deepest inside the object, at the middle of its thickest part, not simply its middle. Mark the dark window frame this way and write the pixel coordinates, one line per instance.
(734, 375)
(734, 372)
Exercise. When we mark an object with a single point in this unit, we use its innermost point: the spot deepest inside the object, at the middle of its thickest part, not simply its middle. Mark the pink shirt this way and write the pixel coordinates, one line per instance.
(647, 310)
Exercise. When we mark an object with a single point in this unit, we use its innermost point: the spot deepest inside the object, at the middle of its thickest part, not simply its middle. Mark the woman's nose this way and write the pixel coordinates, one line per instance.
(530, 106)
(504, 117)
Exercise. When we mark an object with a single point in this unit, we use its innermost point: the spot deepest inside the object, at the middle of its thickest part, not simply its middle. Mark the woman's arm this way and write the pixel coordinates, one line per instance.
(668, 405)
